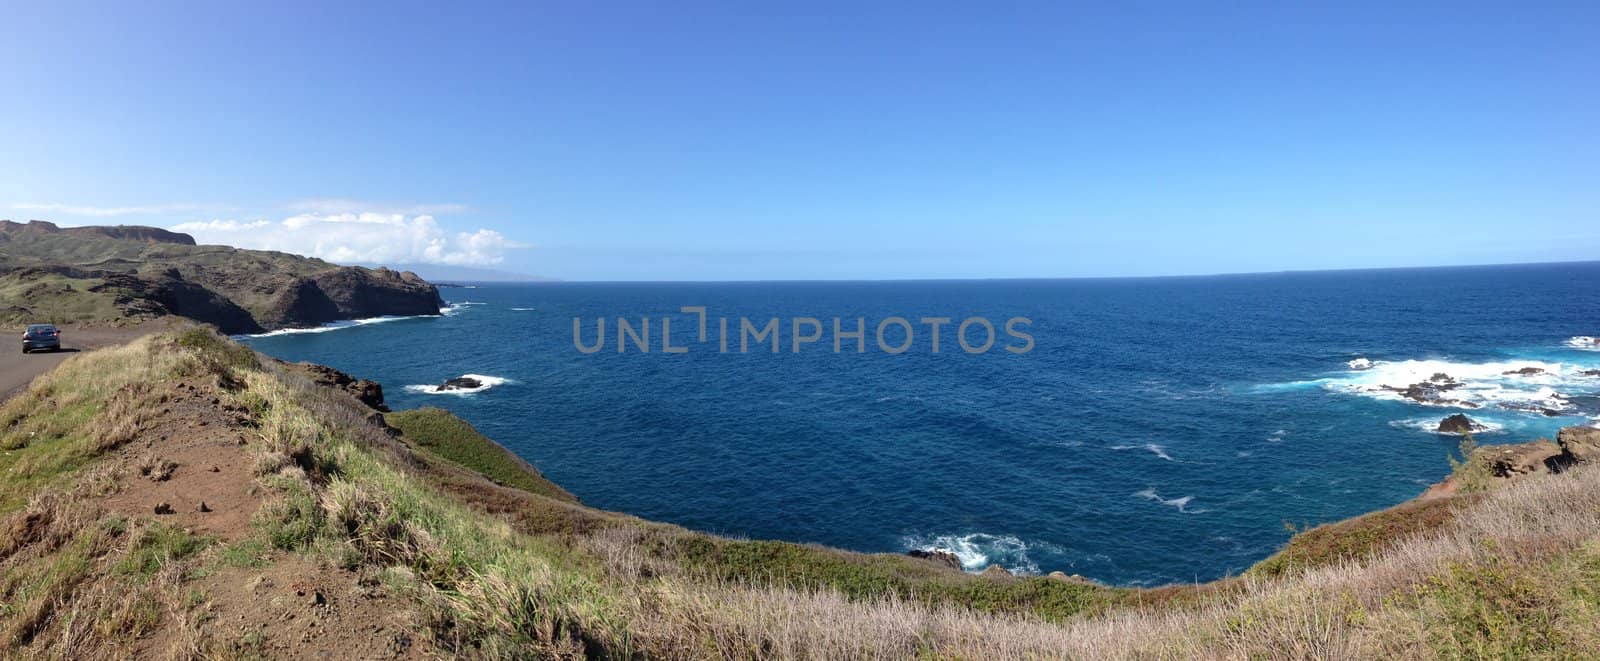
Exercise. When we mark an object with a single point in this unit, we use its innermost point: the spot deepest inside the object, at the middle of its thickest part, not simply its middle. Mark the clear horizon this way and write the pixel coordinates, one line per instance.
(817, 142)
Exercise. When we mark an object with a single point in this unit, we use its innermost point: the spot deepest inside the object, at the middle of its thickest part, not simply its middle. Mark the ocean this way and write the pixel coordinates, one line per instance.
(1159, 430)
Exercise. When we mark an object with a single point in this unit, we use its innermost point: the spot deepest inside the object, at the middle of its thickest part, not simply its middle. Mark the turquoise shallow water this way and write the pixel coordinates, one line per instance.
(1160, 430)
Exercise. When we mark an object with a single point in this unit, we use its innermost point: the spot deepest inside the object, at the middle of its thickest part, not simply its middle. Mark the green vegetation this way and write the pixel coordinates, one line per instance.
(1472, 473)
(56, 299)
(442, 434)
(1358, 538)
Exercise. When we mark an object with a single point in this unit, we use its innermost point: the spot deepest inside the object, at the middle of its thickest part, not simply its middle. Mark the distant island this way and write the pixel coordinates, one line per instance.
(110, 274)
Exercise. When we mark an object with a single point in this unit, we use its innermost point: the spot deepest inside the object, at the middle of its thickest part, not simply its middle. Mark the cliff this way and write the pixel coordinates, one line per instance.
(101, 274)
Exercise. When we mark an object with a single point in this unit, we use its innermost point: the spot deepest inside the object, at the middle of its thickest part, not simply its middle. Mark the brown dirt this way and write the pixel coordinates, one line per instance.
(271, 611)
(295, 609)
(206, 442)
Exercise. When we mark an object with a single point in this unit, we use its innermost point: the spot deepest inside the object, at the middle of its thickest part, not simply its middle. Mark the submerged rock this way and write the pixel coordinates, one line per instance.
(945, 558)
(1459, 424)
(1531, 408)
(1526, 371)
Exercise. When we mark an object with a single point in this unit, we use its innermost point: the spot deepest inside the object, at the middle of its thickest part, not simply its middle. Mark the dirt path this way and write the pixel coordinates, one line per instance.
(17, 368)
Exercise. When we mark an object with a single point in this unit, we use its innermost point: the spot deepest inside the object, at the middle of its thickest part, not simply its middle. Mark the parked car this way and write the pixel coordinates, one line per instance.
(41, 336)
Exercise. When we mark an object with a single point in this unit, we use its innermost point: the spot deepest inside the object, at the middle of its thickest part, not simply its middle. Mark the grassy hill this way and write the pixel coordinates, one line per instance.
(108, 274)
(184, 497)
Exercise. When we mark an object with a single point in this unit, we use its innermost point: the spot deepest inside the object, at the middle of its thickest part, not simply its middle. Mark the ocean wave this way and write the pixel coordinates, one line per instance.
(978, 551)
(1583, 343)
(454, 307)
(486, 382)
(1520, 385)
(1360, 363)
(1154, 449)
(336, 325)
(1180, 503)
(523, 309)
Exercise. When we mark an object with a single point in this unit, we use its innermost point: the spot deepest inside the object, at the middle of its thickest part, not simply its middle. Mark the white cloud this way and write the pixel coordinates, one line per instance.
(360, 237)
(107, 212)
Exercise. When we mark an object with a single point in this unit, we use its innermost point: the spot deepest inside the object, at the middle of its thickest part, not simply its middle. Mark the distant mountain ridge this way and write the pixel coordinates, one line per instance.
(447, 273)
(109, 273)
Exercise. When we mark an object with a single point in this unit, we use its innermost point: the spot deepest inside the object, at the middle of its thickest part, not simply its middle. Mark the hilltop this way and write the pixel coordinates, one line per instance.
(113, 274)
(182, 496)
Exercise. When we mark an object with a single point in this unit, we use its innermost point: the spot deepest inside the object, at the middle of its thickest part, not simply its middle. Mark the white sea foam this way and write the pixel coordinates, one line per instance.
(1154, 449)
(1360, 364)
(1181, 503)
(978, 551)
(457, 306)
(486, 382)
(523, 309)
(337, 325)
(1486, 384)
(1584, 343)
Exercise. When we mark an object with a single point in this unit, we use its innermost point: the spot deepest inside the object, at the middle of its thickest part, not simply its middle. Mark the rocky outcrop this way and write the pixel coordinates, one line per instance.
(359, 292)
(1526, 371)
(369, 392)
(1573, 446)
(996, 571)
(461, 383)
(1433, 391)
(1459, 424)
(1579, 444)
(1512, 461)
(944, 558)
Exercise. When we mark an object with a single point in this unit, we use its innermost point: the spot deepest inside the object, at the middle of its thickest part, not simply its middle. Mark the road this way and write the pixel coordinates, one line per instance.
(17, 369)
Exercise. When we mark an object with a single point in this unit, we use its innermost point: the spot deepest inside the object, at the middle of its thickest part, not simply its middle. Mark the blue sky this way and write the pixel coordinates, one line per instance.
(738, 141)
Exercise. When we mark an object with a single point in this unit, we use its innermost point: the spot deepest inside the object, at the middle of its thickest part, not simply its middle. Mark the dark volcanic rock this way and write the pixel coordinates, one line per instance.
(362, 293)
(1459, 424)
(1526, 371)
(945, 558)
(1432, 391)
(461, 383)
(369, 392)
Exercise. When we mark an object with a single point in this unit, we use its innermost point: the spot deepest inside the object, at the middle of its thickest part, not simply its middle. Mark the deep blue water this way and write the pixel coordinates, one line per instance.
(1161, 430)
